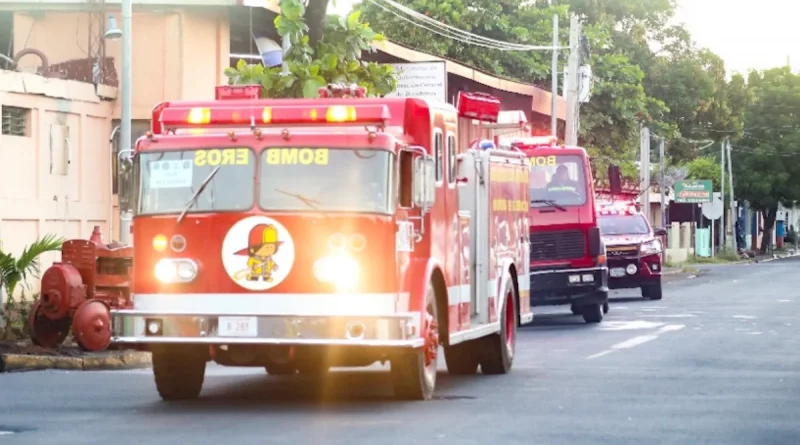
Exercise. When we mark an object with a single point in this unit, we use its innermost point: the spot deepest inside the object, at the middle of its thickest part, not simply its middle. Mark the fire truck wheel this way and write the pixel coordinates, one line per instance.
(592, 313)
(312, 367)
(576, 310)
(652, 292)
(461, 358)
(179, 374)
(498, 355)
(414, 372)
(605, 308)
(275, 368)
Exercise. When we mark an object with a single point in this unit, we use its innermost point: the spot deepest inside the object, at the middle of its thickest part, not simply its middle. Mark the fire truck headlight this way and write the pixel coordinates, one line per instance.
(339, 270)
(651, 247)
(169, 270)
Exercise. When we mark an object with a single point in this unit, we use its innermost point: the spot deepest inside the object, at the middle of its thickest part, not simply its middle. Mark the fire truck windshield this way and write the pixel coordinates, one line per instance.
(326, 179)
(169, 180)
(557, 180)
(623, 225)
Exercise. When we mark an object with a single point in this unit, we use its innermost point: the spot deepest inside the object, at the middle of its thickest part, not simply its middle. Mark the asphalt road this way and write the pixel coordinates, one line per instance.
(715, 362)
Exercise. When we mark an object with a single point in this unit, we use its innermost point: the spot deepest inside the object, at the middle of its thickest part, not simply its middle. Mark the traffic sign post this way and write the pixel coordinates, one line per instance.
(693, 191)
(713, 211)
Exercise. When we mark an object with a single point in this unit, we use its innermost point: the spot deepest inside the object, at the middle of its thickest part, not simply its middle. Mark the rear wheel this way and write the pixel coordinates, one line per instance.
(313, 366)
(500, 347)
(178, 372)
(414, 373)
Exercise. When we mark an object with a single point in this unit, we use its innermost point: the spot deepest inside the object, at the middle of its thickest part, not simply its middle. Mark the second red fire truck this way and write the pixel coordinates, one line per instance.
(568, 261)
(303, 234)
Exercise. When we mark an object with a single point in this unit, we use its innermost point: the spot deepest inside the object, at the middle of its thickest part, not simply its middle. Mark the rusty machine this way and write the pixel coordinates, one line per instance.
(79, 291)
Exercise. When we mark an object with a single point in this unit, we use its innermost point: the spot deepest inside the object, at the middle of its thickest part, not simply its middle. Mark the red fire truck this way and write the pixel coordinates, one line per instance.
(303, 234)
(568, 262)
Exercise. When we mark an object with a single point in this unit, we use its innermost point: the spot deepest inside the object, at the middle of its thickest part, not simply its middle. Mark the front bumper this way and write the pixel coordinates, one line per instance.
(267, 319)
(560, 286)
(648, 272)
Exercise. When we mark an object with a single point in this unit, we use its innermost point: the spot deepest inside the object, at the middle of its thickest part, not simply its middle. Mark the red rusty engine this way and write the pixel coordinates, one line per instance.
(79, 292)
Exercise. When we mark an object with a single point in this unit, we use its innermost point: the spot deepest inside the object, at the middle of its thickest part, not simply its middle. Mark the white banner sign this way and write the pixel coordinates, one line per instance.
(426, 80)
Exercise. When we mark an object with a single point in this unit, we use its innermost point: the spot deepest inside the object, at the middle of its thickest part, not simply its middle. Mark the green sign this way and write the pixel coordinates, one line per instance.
(693, 191)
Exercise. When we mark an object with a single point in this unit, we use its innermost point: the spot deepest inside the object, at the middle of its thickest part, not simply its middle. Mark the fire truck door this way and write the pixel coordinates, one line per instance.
(467, 207)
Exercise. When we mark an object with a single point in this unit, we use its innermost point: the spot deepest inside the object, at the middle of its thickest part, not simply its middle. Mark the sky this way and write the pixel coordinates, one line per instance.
(746, 34)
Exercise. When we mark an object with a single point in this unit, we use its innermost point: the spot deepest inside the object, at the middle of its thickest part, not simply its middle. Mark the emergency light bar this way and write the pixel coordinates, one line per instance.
(536, 141)
(480, 106)
(619, 208)
(280, 115)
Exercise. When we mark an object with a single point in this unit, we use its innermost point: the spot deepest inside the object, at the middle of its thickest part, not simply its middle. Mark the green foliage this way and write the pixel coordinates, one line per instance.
(15, 271)
(335, 58)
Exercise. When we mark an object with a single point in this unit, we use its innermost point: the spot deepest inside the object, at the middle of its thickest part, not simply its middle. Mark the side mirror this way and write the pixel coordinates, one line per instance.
(660, 231)
(614, 179)
(424, 187)
(125, 179)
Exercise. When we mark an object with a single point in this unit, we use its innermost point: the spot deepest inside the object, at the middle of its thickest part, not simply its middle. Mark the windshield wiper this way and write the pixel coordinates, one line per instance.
(549, 202)
(196, 195)
(312, 203)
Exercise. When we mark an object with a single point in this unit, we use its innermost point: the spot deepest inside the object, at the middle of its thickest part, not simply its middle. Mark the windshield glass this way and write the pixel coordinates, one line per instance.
(623, 225)
(338, 180)
(557, 179)
(168, 180)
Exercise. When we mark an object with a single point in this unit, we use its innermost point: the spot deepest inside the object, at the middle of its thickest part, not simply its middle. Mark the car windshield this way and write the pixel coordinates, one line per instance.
(169, 179)
(557, 180)
(337, 180)
(623, 225)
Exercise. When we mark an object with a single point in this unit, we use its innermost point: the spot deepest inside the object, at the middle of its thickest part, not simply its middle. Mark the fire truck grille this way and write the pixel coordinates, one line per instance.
(561, 245)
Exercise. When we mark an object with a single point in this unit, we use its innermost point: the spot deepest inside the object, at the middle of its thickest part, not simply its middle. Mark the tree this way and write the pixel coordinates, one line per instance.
(335, 58)
(764, 171)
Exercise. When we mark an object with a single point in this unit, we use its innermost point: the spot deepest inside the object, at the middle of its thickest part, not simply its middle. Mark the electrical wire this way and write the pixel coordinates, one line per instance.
(420, 20)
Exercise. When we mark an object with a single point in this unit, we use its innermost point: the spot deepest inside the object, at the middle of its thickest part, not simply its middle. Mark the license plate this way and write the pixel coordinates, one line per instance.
(617, 272)
(238, 327)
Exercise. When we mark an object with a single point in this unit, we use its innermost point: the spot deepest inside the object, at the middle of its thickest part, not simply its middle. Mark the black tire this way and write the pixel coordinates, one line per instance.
(285, 368)
(462, 359)
(605, 307)
(576, 310)
(412, 377)
(652, 292)
(178, 374)
(592, 313)
(499, 348)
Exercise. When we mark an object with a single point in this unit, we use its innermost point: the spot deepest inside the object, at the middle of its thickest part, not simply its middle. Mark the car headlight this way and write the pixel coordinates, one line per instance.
(651, 247)
(339, 270)
(170, 270)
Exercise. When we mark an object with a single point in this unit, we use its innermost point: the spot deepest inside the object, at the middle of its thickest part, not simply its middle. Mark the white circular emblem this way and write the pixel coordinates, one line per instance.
(258, 253)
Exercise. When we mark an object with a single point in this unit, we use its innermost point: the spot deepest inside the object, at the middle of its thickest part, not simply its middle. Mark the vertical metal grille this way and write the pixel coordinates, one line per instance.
(14, 120)
(559, 245)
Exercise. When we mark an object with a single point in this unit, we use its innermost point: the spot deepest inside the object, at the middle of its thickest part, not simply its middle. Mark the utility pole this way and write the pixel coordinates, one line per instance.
(722, 194)
(663, 183)
(125, 107)
(644, 170)
(554, 88)
(571, 136)
(734, 213)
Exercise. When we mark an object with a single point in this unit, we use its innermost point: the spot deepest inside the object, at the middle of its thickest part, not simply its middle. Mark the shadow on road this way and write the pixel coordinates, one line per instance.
(355, 391)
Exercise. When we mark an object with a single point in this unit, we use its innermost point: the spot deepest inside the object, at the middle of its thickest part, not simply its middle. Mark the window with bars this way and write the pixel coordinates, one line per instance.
(15, 121)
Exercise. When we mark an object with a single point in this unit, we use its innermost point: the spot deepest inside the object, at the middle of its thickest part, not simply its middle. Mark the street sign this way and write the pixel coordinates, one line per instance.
(693, 191)
(713, 210)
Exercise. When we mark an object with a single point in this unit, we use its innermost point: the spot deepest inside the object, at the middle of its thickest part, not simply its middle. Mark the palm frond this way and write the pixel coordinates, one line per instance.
(16, 270)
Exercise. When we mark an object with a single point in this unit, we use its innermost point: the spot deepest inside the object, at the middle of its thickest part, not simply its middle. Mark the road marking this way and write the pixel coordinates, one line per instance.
(784, 301)
(636, 341)
(745, 317)
(671, 316)
(628, 325)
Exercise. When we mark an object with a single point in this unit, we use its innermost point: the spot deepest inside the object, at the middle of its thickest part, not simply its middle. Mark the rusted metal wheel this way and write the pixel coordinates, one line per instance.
(45, 332)
(91, 326)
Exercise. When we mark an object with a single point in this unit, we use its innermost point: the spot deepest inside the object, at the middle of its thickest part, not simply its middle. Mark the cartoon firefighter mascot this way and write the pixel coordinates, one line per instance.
(262, 245)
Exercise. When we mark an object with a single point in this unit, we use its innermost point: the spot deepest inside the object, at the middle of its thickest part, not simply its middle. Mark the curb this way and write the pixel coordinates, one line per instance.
(100, 362)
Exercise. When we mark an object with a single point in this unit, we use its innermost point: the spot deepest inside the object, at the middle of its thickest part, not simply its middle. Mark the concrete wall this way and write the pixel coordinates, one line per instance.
(55, 176)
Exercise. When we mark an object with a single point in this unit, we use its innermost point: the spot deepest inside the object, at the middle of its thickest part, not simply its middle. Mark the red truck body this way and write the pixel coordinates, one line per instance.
(300, 234)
